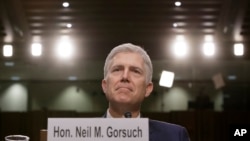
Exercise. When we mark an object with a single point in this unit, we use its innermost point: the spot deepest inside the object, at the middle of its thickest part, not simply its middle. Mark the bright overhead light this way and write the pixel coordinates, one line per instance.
(175, 25)
(180, 49)
(180, 46)
(177, 3)
(238, 49)
(69, 25)
(208, 48)
(7, 50)
(167, 79)
(208, 45)
(36, 49)
(65, 4)
(64, 47)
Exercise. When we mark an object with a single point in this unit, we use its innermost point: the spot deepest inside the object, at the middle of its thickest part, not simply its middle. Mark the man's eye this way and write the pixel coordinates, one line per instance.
(137, 71)
(116, 69)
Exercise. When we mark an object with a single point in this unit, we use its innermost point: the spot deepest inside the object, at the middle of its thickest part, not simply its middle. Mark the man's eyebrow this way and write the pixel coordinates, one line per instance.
(131, 67)
(117, 65)
(137, 68)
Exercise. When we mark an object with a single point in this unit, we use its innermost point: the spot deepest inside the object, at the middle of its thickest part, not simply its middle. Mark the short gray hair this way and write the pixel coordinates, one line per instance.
(128, 47)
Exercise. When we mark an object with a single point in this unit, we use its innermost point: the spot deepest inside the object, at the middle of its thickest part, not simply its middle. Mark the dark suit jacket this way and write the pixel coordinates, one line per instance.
(163, 131)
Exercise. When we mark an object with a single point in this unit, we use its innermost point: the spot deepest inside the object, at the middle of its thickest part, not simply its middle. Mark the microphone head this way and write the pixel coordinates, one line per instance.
(127, 115)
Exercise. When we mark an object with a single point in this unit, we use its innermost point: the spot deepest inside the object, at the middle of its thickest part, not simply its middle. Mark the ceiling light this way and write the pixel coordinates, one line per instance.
(177, 3)
(64, 47)
(69, 25)
(36, 49)
(180, 49)
(7, 50)
(238, 49)
(65, 4)
(180, 46)
(208, 45)
(208, 48)
(175, 25)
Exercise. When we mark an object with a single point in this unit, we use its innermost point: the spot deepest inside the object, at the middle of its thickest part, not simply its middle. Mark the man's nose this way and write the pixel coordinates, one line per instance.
(125, 75)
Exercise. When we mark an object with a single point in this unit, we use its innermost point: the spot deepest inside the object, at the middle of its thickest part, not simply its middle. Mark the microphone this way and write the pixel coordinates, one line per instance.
(127, 115)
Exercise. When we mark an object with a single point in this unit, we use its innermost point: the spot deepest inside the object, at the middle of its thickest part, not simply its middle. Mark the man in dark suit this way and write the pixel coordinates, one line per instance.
(127, 81)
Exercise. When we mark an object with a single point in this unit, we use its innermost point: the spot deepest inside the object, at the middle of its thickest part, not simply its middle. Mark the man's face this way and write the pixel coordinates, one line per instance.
(126, 80)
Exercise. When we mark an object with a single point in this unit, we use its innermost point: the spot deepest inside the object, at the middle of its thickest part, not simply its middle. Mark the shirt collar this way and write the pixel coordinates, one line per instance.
(110, 116)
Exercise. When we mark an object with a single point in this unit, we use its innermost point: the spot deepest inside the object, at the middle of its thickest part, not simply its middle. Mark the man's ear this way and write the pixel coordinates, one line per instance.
(104, 86)
(149, 89)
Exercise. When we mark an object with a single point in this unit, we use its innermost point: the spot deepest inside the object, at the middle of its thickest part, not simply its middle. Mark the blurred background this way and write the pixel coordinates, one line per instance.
(53, 51)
